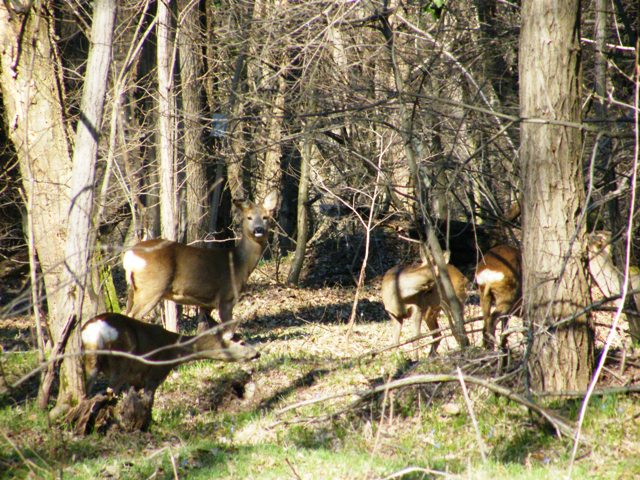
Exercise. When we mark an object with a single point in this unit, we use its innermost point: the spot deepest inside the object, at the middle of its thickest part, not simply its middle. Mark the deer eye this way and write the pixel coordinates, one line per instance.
(250, 217)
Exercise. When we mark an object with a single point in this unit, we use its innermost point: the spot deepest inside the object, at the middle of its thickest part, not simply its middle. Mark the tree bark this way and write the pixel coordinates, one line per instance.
(81, 230)
(35, 119)
(37, 130)
(235, 136)
(556, 286)
(61, 217)
(303, 210)
(166, 142)
(189, 38)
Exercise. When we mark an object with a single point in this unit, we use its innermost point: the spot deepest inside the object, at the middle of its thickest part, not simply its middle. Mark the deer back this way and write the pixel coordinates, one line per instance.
(119, 333)
(431, 298)
(500, 264)
(161, 269)
(499, 274)
(401, 284)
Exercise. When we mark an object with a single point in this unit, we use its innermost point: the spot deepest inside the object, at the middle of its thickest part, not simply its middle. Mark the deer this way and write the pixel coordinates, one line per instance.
(137, 356)
(411, 291)
(499, 279)
(207, 278)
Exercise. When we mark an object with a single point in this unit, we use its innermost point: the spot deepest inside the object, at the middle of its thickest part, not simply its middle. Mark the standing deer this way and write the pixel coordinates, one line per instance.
(499, 279)
(411, 292)
(208, 278)
(151, 353)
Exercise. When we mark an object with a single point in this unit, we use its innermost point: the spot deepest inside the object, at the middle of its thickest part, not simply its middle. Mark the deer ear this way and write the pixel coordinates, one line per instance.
(241, 203)
(271, 202)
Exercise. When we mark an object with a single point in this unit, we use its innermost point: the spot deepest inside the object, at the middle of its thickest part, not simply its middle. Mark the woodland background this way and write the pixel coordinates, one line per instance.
(377, 121)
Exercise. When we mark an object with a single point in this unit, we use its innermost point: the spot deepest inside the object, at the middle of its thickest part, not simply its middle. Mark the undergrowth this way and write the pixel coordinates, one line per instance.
(304, 410)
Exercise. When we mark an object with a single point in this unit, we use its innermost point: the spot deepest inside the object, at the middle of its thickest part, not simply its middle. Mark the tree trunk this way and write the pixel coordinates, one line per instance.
(235, 136)
(37, 130)
(494, 67)
(166, 143)
(556, 286)
(35, 120)
(81, 229)
(192, 96)
(303, 210)
(30, 89)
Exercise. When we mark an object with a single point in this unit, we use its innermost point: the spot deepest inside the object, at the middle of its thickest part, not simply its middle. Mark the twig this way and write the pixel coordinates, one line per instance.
(561, 425)
(406, 471)
(445, 331)
(173, 464)
(376, 443)
(50, 374)
(295, 473)
(625, 288)
(28, 462)
(467, 400)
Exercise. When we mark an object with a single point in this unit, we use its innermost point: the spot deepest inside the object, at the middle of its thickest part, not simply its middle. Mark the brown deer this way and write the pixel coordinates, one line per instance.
(499, 279)
(151, 353)
(411, 292)
(208, 278)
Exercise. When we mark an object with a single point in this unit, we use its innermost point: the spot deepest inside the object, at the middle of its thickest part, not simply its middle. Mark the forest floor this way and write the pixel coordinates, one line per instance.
(306, 409)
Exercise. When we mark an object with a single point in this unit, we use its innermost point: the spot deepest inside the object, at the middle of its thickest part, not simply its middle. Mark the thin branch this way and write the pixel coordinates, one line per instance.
(561, 425)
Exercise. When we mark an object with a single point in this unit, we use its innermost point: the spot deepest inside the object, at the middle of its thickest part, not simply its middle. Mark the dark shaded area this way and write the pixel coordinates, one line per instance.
(335, 259)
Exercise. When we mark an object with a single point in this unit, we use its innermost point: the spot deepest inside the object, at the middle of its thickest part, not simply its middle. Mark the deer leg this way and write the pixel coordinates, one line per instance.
(489, 329)
(140, 303)
(504, 341)
(129, 300)
(432, 323)
(504, 345)
(91, 371)
(205, 320)
(225, 311)
(397, 328)
(416, 317)
(146, 289)
(502, 312)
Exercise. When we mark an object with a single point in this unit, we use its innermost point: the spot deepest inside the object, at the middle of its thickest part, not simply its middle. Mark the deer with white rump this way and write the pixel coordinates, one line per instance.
(207, 278)
(499, 279)
(412, 292)
(136, 357)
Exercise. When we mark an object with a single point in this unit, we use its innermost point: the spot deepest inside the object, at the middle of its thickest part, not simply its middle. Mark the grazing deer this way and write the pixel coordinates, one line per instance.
(119, 333)
(208, 278)
(152, 352)
(411, 292)
(499, 279)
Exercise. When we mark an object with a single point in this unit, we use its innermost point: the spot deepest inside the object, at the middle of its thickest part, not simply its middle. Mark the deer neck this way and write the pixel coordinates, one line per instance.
(246, 256)
(178, 347)
(186, 348)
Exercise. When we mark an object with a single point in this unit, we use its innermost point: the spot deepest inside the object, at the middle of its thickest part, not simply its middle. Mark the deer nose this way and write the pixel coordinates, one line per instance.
(258, 231)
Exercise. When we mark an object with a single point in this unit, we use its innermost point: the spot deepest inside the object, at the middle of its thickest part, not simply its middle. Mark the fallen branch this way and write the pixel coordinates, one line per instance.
(561, 425)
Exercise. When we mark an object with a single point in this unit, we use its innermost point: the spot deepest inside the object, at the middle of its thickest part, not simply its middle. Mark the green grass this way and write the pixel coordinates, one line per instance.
(202, 429)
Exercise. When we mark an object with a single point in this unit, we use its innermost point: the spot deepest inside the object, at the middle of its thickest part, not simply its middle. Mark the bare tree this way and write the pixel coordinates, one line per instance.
(189, 38)
(555, 287)
(166, 150)
(82, 300)
(62, 211)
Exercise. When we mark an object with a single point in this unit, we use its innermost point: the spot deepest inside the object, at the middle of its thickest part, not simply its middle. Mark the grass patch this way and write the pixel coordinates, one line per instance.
(225, 421)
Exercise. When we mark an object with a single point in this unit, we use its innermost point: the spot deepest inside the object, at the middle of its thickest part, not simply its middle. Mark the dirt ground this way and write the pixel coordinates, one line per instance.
(314, 319)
